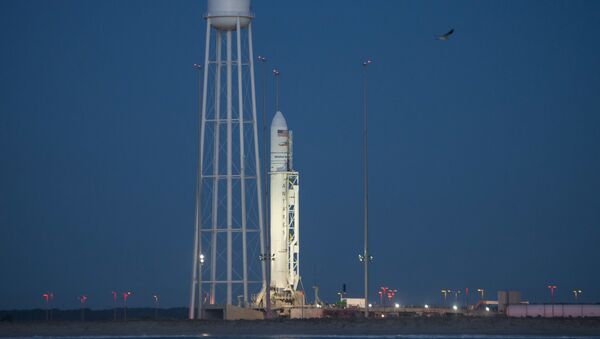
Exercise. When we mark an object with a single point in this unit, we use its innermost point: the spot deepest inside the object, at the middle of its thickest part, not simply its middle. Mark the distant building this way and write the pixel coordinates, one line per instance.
(553, 310)
(354, 302)
(506, 298)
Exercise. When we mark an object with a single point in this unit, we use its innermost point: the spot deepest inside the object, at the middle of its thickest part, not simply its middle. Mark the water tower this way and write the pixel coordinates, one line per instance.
(229, 236)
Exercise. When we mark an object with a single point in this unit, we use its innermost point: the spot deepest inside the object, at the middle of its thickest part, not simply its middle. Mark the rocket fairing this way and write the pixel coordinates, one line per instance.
(284, 209)
(280, 144)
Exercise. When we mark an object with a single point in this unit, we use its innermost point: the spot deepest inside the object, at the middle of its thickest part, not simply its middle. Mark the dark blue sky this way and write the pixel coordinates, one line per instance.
(484, 149)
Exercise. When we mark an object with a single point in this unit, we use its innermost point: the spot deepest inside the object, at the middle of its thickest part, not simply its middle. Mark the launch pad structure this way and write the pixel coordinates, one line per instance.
(229, 236)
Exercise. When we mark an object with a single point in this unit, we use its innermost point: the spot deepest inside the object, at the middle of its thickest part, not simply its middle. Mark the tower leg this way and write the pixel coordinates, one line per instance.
(197, 268)
(191, 314)
(229, 173)
(257, 164)
(216, 180)
(201, 166)
(242, 161)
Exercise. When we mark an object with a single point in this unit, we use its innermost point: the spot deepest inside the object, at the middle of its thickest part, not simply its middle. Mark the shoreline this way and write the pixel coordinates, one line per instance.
(309, 327)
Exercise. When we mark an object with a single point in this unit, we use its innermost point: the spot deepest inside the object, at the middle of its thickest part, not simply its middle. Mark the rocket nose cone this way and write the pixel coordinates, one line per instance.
(279, 122)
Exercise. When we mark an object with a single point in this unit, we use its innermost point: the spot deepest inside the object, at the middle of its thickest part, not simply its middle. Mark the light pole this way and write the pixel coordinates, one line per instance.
(444, 295)
(155, 297)
(82, 301)
(552, 288)
(114, 305)
(367, 257)
(576, 293)
(201, 260)
(263, 60)
(51, 303)
(390, 295)
(125, 296)
(382, 294)
(456, 293)
(480, 292)
(46, 297)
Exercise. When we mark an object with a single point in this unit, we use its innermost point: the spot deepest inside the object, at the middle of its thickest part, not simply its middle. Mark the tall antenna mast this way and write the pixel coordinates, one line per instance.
(367, 257)
(276, 74)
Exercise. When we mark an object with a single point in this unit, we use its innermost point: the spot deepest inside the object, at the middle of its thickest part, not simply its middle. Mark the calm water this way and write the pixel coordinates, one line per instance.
(416, 336)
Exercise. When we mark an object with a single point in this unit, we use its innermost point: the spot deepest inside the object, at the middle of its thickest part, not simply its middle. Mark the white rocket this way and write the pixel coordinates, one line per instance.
(285, 266)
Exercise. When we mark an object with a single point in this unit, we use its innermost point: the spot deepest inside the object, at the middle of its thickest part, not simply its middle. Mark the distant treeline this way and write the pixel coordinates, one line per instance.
(93, 315)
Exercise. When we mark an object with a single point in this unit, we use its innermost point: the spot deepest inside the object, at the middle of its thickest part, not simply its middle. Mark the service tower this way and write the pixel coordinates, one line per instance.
(229, 212)
(285, 216)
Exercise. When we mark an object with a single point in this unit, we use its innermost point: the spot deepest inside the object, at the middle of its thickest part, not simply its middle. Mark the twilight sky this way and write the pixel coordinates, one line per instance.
(485, 161)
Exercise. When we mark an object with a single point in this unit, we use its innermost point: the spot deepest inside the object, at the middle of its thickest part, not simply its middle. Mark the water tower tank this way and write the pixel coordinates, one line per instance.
(223, 14)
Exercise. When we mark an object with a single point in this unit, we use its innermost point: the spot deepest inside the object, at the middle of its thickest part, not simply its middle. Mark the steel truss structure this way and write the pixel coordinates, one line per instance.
(229, 226)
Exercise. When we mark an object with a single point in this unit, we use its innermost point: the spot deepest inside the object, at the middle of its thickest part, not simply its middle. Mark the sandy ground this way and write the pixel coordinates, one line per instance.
(407, 325)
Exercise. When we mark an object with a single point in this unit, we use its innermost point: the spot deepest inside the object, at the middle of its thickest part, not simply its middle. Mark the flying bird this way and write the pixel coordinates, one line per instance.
(445, 37)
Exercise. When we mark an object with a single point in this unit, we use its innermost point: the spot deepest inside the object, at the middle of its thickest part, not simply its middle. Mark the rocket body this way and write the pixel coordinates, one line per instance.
(284, 214)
